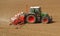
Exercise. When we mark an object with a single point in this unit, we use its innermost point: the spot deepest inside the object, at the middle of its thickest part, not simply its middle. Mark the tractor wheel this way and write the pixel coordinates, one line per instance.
(45, 20)
(31, 18)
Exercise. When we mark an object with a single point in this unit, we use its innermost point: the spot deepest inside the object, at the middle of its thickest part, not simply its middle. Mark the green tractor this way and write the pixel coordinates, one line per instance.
(33, 16)
(36, 16)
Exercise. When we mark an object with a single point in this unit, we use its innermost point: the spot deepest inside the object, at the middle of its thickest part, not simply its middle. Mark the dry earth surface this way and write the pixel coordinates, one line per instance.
(10, 7)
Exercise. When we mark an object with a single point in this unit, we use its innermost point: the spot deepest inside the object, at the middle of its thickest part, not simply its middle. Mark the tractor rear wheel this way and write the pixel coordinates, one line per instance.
(31, 18)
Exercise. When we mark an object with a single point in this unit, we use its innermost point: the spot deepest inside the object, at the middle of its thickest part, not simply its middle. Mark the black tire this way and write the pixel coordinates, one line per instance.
(31, 18)
(45, 20)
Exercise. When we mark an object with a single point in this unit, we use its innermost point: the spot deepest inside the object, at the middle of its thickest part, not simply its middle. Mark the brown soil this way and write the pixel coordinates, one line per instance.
(10, 7)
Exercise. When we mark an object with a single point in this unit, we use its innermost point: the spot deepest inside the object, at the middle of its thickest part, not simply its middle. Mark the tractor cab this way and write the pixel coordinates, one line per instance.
(35, 10)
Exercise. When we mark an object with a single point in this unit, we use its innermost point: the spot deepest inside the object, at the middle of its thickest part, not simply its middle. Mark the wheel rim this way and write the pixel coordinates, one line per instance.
(31, 19)
(45, 20)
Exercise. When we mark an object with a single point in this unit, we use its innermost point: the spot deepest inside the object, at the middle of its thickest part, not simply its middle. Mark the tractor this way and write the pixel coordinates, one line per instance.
(35, 15)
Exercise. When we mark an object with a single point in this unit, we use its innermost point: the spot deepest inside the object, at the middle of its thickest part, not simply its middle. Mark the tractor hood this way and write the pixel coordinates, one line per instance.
(44, 14)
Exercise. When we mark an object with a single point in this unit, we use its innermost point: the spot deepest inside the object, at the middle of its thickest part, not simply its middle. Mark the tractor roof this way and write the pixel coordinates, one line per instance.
(35, 7)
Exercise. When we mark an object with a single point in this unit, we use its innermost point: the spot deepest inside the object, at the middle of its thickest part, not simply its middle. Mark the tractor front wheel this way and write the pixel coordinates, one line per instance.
(45, 20)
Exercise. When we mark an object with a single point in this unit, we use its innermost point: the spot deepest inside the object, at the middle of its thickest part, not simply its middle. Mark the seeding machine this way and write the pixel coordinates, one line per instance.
(33, 16)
